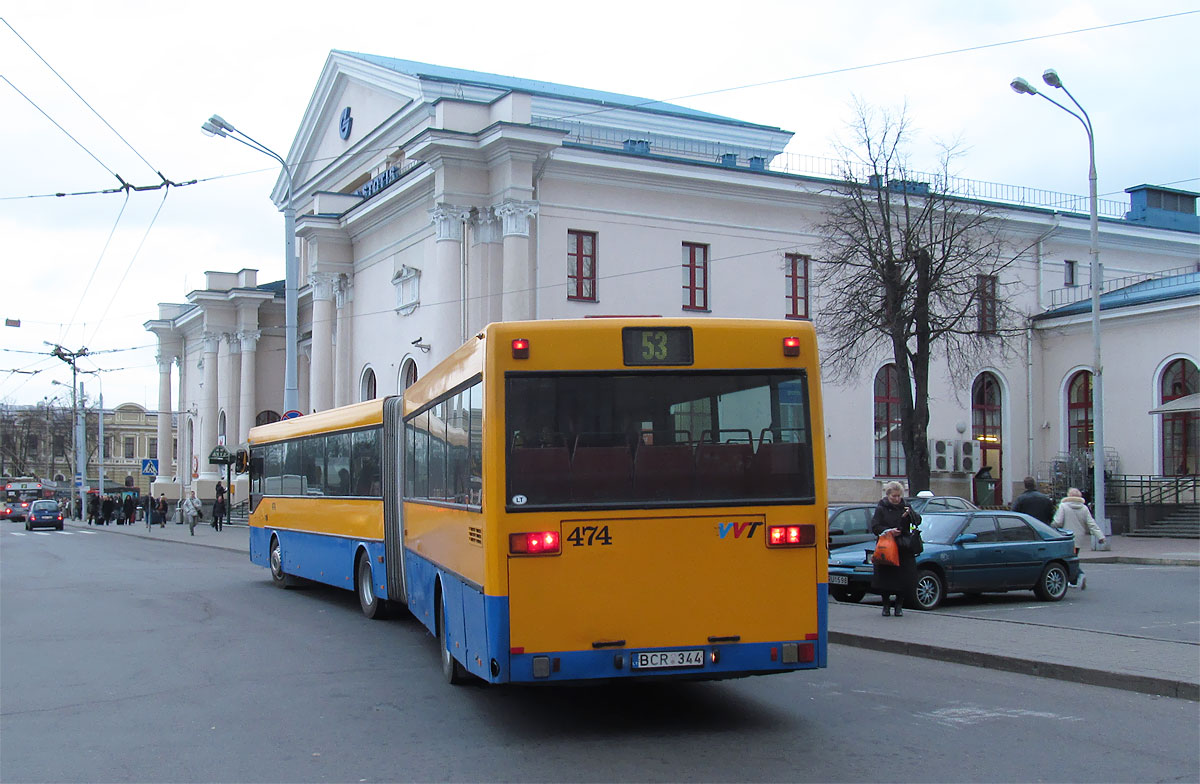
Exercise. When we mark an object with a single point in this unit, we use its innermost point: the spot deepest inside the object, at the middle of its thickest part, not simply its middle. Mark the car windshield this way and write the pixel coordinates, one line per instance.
(940, 528)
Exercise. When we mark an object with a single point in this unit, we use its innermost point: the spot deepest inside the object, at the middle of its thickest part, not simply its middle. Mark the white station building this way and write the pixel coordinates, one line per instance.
(431, 201)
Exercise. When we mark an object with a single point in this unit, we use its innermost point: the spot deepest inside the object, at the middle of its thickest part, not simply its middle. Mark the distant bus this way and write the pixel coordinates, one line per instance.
(573, 500)
(25, 488)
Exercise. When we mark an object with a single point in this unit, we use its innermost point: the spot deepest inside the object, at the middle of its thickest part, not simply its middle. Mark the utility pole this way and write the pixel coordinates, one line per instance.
(72, 359)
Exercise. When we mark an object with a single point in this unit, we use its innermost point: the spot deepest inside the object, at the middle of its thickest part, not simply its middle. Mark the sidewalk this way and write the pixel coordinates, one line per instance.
(1149, 666)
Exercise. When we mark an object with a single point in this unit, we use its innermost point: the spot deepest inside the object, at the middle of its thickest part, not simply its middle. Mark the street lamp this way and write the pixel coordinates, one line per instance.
(1051, 78)
(217, 126)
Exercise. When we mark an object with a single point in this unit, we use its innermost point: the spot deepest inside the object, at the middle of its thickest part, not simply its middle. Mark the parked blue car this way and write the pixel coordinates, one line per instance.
(970, 552)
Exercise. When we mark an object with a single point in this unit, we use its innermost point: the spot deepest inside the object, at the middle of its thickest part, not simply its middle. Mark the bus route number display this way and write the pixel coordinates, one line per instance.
(657, 345)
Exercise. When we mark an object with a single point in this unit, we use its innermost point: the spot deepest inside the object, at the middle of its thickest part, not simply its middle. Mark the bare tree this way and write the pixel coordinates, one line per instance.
(909, 270)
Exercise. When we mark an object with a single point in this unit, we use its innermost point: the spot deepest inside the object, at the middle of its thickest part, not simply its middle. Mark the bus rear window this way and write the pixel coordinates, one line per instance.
(657, 439)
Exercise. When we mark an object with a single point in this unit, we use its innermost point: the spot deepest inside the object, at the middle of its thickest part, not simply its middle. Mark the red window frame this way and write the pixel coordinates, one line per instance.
(695, 276)
(1079, 412)
(889, 451)
(985, 286)
(581, 266)
(1181, 431)
(797, 285)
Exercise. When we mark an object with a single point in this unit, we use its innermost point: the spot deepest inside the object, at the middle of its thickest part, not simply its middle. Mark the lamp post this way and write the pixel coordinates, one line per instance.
(217, 126)
(1051, 78)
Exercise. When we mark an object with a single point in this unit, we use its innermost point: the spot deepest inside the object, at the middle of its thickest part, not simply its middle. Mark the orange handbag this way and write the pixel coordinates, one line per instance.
(886, 551)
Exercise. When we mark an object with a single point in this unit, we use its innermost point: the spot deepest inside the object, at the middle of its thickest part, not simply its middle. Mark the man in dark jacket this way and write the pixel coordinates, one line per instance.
(1034, 503)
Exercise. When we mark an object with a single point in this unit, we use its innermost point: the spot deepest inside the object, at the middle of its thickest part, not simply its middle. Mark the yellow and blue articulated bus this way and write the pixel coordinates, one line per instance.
(573, 500)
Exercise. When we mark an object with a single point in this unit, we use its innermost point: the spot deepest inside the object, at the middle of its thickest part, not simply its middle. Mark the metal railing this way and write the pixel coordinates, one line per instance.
(1151, 489)
(767, 160)
(1071, 294)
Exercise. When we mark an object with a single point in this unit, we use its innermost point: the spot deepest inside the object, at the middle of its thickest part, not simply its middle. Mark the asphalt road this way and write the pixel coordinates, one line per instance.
(125, 659)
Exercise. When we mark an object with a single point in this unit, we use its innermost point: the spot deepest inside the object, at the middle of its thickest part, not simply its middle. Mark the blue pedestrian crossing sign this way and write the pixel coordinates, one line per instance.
(149, 467)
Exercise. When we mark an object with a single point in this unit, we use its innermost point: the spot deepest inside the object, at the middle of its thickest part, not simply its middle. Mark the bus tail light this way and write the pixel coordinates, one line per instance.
(791, 535)
(791, 347)
(539, 543)
(520, 348)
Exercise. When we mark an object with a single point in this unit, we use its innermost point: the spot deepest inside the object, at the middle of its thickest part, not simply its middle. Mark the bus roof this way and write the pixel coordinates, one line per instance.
(365, 414)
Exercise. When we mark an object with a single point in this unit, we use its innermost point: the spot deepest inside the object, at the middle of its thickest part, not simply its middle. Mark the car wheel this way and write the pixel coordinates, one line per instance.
(929, 590)
(452, 671)
(372, 605)
(1052, 585)
(280, 577)
(847, 595)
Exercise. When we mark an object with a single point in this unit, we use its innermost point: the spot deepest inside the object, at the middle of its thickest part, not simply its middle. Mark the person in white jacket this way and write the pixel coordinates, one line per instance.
(1073, 515)
(191, 510)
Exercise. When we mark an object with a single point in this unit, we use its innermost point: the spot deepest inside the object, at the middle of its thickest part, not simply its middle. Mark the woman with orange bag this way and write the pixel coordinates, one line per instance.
(894, 516)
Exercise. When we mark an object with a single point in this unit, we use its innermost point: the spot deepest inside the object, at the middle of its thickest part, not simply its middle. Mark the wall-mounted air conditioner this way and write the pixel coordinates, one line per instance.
(941, 455)
(967, 456)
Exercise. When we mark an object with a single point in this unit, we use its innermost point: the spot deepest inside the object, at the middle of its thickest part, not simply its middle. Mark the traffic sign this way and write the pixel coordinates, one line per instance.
(220, 456)
(291, 414)
(149, 467)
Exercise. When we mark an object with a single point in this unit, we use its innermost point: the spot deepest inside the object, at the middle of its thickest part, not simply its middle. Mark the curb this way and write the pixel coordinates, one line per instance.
(1159, 687)
(1138, 559)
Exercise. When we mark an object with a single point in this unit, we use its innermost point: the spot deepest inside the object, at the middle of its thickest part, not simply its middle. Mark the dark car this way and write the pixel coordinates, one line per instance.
(850, 524)
(970, 552)
(15, 510)
(939, 503)
(44, 514)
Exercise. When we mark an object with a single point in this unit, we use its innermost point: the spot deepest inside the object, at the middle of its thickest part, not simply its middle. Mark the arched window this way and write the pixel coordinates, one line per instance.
(889, 452)
(266, 417)
(408, 374)
(1180, 431)
(1079, 412)
(221, 429)
(367, 387)
(986, 422)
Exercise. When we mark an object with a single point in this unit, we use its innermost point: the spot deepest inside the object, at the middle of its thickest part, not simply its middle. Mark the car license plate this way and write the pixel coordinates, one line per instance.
(839, 579)
(650, 660)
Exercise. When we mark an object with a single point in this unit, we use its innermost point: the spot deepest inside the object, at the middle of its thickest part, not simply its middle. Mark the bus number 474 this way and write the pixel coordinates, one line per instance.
(588, 535)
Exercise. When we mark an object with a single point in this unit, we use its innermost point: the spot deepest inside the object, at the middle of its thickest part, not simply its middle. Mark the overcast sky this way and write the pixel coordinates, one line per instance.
(156, 70)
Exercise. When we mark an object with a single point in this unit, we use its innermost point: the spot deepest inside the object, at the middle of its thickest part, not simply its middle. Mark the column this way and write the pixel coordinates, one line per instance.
(248, 410)
(183, 451)
(342, 359)
(517, 276)
(447, 296)
(164, 418)
(208, 405)
(485, 280)
(233, 386)
(320, 379)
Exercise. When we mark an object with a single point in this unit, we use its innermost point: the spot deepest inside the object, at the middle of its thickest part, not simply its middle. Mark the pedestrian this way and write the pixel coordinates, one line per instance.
(1034, 503)
(894, 515)
(93, 509)
(160, 510)
(106, 509)
(218, 505)
(218, 511)
(1073, 515)
(127, 509)
(191, 510)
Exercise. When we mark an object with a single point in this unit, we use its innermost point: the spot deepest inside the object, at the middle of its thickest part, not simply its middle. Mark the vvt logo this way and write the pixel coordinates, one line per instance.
(346, 123)
(724, 529)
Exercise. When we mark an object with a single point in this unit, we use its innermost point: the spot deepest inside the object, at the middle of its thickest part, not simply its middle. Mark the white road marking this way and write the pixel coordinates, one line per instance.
(971, 715)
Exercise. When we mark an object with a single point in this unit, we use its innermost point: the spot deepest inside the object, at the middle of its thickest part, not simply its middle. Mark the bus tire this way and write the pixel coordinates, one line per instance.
(452, 671)
(372, 606)
(278, 576)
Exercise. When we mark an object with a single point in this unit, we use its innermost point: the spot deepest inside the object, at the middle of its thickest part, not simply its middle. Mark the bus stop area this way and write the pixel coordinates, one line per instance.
(1043, 649)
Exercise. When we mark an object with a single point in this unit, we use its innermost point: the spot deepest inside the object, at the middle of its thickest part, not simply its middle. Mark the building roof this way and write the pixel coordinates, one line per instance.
(533, 86)
(1143, 292)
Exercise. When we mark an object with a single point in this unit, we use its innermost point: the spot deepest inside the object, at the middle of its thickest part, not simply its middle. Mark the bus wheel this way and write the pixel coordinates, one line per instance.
(372, 605)
(452, 671)
(277, 574)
